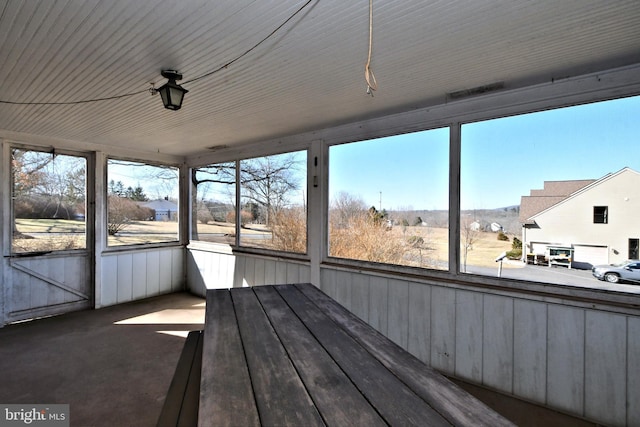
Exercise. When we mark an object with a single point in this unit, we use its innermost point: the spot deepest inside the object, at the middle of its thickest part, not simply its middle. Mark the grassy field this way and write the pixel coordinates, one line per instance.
(35, 235)
(70, 234)
(483, 252)
(25, 225)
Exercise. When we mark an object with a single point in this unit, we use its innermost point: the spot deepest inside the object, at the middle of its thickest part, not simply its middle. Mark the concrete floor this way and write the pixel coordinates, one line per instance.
(113, 366)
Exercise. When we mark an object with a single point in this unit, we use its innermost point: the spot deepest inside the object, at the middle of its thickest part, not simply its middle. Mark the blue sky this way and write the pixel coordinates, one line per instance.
(411, 171)
(502, 159)
(132, 174)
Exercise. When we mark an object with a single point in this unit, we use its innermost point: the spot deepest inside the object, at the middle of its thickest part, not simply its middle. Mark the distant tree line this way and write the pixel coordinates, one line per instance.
(136, 194)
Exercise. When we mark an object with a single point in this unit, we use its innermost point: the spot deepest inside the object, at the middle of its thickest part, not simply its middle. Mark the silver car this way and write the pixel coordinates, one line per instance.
(614, 273)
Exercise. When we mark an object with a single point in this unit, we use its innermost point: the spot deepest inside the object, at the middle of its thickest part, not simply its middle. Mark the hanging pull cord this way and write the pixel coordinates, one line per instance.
(372, 84)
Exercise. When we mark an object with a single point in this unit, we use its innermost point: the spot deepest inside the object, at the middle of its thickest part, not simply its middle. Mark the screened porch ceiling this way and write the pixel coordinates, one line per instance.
(308, 75)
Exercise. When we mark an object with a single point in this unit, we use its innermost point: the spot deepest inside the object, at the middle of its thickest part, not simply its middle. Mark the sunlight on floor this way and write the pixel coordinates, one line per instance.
(181, 334)
(192, 316)
(170, 316)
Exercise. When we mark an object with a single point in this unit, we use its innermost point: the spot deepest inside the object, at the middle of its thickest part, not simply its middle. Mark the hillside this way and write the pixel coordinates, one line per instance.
(506, 216)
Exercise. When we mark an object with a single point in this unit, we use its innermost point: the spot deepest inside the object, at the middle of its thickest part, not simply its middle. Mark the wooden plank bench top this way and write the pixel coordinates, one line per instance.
(181, 403)
(289, 355)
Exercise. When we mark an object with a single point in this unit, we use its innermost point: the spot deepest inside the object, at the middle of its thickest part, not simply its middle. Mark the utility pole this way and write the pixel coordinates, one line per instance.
(381, 201)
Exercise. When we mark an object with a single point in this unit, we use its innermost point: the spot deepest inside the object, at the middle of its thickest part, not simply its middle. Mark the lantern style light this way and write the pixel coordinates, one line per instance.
(172, 93)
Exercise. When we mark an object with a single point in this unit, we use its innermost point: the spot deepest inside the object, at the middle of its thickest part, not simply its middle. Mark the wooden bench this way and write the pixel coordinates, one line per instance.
(182, 401)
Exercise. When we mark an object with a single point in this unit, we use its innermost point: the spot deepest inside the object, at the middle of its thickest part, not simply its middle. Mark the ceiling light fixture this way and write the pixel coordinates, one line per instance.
(172, 93)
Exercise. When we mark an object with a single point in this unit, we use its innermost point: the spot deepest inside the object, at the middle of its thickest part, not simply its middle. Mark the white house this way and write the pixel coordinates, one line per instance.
(496, 227)
(480, 225)
(595, 218)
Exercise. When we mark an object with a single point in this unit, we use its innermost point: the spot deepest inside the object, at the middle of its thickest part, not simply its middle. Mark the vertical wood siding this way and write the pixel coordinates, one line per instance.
(605, 366)
(443, 324)
(214, 270)
(633, 371)
(529, 350)
(129, 276)
(497, 342)
(581, 361)
(565, 358)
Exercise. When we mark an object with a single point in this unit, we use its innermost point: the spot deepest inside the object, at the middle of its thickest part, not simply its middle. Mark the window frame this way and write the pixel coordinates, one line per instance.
(377, 266)
(106, 248)
(194, 195)
(236, 157)
(634, 246)
(584, 89)
(455, 276)
(89, 195)
(601, 214)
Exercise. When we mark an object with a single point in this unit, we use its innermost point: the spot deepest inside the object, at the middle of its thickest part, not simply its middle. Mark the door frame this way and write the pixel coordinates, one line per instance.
(13, 263)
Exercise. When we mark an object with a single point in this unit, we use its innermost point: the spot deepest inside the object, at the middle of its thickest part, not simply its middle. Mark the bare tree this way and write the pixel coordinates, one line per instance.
(269, 182)
(202, 178)
(469, 236)
(345, 208)
(26, 168)
(267, 185)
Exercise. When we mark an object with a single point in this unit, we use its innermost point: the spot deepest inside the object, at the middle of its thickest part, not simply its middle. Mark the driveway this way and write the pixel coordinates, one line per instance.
(556, 275)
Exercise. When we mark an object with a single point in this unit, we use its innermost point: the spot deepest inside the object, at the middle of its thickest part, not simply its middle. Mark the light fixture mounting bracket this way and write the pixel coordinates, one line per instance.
(171, 75)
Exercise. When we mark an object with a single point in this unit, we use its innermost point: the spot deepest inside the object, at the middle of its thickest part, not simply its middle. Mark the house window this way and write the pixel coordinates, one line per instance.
(142, 203)
(389, 199)
(214, 203)
(48, 201)
(634, 248)
(273, 202)
(600, 214)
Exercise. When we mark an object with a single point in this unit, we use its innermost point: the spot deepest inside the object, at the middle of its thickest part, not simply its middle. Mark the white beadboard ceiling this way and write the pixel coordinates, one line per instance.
(309, 75)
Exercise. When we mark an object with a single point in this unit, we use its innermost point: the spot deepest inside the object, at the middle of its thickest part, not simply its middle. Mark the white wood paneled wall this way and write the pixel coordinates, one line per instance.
(579, 360)
(211, 270)
(131, 275)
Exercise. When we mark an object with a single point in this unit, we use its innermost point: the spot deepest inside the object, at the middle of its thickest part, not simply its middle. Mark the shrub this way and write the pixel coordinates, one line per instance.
(502, 236)
(122, 211)
(366, 240)
(203, 214)
(415, 241)
(42, 207)
(514, 254)
(245, 217)
(516, 244)
(289, 230)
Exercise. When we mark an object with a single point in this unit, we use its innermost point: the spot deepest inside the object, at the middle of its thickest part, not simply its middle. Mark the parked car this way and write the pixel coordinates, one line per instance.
(614, 273)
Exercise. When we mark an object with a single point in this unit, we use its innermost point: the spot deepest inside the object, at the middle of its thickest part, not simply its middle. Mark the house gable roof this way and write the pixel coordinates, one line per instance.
(532, 206)
(553, 193)
(161, 205)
